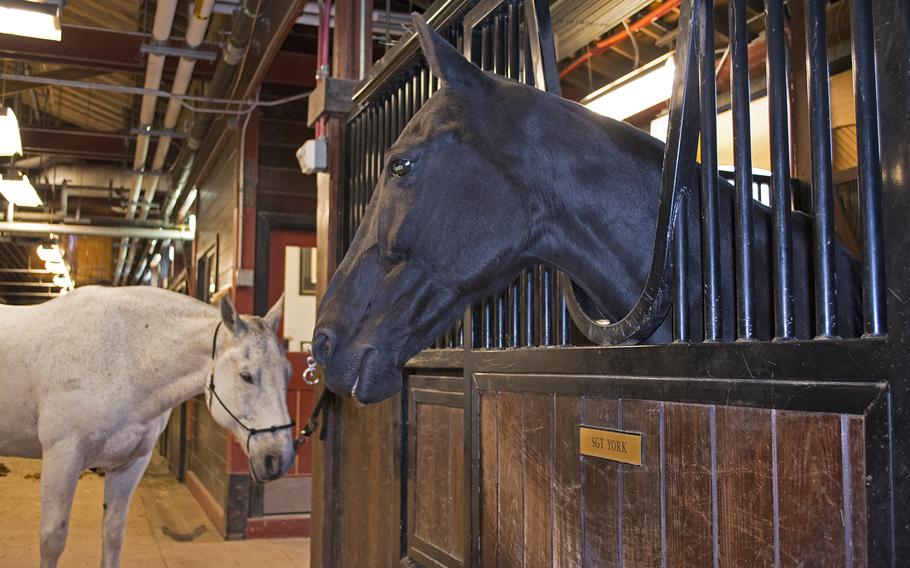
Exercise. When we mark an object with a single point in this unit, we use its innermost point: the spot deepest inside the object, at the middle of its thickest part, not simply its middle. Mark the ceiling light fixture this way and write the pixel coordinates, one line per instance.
(10, 138)
(40, 20)
(640, 90)
(18, 190)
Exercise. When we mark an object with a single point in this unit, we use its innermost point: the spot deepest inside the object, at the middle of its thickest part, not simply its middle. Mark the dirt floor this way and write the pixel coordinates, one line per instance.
(161, 505)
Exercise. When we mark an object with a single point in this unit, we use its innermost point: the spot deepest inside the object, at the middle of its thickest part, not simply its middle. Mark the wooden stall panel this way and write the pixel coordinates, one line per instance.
(689, 525)
(489, 486)
(439, 508)
(723, 486)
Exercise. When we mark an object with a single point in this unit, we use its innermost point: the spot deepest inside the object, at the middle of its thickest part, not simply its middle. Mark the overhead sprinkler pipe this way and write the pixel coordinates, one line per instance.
(200, 14)
(161, 31)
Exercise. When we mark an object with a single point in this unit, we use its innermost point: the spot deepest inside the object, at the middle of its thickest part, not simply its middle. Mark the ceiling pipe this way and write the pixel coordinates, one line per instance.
(221, 85)
(195, 32)
(161, 31)
(617, 38)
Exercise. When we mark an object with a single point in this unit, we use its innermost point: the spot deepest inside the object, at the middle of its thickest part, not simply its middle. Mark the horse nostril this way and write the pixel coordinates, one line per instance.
(272, 465)
(323, 344)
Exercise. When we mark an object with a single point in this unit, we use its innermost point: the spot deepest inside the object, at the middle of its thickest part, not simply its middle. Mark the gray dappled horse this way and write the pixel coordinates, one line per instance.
(491, 176)
(88, 380)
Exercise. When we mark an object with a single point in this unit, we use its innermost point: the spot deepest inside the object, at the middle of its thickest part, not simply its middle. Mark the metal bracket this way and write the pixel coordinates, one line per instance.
(196, 54)
(157, 133)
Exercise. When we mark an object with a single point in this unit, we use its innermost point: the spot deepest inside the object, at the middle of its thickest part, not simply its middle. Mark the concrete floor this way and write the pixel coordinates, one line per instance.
(159, 502)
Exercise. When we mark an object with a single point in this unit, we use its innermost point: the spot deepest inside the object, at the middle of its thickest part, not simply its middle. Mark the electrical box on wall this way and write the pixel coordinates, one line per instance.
(313, 156)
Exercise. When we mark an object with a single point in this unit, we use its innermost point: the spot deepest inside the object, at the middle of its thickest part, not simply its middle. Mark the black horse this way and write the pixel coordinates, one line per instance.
(491, 176)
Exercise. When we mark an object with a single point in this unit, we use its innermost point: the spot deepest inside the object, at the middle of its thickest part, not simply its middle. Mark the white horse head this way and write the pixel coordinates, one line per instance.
(247, 389)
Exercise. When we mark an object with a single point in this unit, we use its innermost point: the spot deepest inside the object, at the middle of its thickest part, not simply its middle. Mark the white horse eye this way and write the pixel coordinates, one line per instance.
(400, 167)
(247, 378)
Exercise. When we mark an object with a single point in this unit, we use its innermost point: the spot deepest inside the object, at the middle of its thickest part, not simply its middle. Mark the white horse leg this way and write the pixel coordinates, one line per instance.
(59, 473)
(119, 486)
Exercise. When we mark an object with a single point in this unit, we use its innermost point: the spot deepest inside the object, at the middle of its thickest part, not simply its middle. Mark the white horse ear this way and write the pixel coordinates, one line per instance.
(445, 61)
(231, 318)
(273, 317)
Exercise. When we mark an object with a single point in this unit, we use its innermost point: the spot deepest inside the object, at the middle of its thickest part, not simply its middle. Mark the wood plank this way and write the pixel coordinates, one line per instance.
(432, 476)
(458, 527)
(641, 487)
(857, 443)
(567, 519)
(811, 489)
(511, 502)
(538, 462)
(489, 476)
(601, 491)
(744, 487)
(688, 490)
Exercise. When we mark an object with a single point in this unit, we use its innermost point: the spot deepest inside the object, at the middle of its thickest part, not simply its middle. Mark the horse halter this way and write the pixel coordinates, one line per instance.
(308, 429)
(250, 432)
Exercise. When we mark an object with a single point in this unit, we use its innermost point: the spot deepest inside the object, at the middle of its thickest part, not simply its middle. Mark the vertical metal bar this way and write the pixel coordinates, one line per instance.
(543, 52)
(822, 190)
(537, 300)
(486, 51)
(527, 308)
(500, 42)
(513, 36)
(563, 327)
(781, 236)
(710, 225)
(500, 316)
(487, 323)
(546, 305)
(681, 274)
(515, 311)
(875, 320)
(742, 159)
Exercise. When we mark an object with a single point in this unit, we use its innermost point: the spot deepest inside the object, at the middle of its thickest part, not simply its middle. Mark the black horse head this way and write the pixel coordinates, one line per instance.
(488, 177)
(415, 262)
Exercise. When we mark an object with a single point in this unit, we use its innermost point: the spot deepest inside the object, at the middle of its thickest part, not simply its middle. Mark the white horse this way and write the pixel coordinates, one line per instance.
(89, 379)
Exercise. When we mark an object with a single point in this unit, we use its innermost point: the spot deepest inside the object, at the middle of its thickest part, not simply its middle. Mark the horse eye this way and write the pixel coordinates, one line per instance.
(247, 378)
(400, 167)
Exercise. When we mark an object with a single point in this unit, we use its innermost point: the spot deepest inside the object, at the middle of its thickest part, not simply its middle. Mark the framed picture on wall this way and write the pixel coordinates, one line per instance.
(307, 270)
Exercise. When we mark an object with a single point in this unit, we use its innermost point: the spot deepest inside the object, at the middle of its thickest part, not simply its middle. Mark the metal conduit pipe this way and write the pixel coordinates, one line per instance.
(161, 31)
(195, 33)
(220, 87)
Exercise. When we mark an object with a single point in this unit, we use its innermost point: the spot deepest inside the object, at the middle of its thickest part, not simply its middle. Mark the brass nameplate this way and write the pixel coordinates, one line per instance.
(623, 447)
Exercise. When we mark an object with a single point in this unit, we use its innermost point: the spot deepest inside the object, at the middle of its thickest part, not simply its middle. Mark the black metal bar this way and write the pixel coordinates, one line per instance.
(870, 181)
(742, 159)
(822, 195)
(515, 312)
(500, 317)
(486, 47)
(513, 37)
(781, 235)
(499, 43)
(537, 301)
(710, 224)
(487, 329)
(543, 52)
(527, 309)
(681, 274)
(546, 306)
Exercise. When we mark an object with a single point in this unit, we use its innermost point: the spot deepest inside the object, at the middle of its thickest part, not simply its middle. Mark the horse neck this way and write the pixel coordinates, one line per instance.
(597, 221)
(183, 369)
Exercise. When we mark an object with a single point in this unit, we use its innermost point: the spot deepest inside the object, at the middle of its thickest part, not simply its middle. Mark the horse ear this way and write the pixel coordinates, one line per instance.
(273, 317)
(231, 318)
(445, 61)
